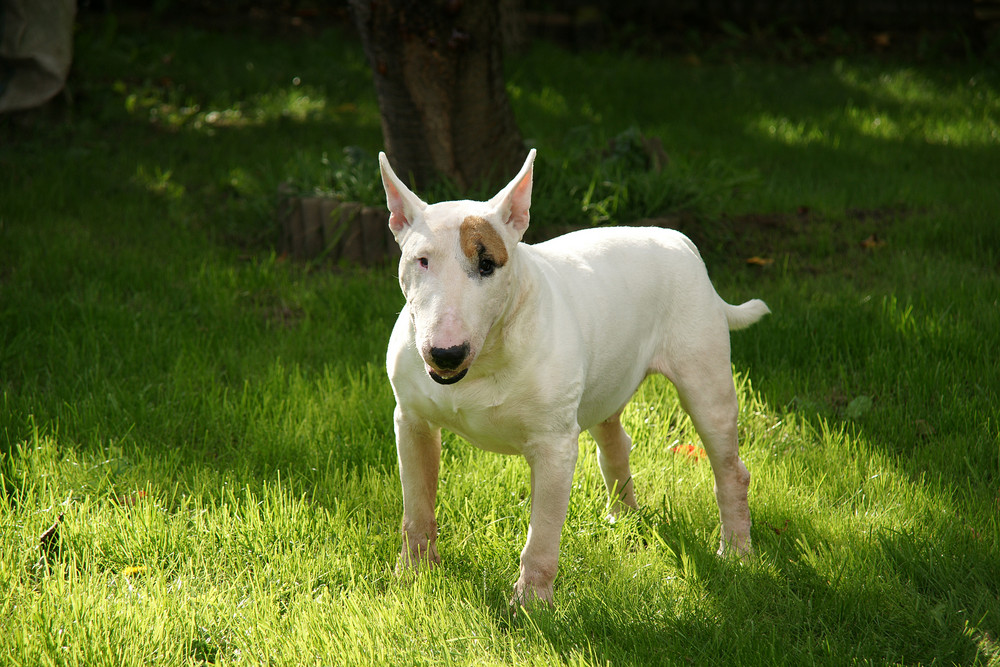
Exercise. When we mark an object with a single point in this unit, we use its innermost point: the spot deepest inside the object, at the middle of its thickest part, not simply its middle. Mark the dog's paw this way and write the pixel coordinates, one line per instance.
(531, 596)
(413, 558)
(736, 549)
(619, 509)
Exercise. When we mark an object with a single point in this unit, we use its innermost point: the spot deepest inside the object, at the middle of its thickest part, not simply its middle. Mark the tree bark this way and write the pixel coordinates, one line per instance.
(438, 71)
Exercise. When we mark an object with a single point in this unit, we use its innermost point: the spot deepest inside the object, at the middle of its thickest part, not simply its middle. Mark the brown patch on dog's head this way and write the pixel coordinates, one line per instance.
(480, 239)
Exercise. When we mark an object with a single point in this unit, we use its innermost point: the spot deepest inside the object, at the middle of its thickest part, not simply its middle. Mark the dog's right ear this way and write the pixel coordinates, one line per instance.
(403, 204)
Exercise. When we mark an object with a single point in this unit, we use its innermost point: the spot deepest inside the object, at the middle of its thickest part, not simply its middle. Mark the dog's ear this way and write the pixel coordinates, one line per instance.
(513, 201)
(403, 204)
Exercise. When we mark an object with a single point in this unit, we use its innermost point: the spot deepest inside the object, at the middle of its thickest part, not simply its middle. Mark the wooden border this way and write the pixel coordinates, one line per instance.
(326, 228)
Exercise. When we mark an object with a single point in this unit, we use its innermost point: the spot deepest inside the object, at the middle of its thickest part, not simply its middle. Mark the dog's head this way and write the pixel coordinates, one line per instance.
(457, 265)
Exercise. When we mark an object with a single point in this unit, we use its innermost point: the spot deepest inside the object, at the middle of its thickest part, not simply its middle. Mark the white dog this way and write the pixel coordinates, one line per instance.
(519, 348)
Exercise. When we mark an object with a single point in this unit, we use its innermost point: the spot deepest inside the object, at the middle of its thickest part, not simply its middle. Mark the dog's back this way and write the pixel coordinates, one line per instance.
(630, 297)
(626, 269)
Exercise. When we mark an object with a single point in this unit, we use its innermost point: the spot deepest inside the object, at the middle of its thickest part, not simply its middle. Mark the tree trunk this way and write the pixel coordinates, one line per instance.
(438, 70)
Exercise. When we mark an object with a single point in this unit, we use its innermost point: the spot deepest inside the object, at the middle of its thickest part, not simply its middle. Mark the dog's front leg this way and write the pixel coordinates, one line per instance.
(418, 446)
(552, 469)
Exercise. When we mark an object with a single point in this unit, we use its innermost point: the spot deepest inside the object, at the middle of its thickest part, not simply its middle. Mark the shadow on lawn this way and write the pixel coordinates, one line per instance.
(884, 596)
(833, 619)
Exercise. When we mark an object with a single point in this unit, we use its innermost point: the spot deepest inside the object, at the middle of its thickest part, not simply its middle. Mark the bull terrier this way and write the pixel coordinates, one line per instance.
(519, 348)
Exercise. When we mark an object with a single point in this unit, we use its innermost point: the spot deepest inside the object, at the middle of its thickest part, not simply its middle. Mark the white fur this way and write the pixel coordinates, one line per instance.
(559, 338)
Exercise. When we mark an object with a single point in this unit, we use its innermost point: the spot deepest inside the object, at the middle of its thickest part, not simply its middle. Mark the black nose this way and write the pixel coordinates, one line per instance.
(448, 358)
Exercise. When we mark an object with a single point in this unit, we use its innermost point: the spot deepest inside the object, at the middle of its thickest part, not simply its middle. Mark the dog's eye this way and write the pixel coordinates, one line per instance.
(422, 261)
(486, 266)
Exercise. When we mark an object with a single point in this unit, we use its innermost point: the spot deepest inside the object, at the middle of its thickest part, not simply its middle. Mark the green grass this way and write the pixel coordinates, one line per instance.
(198, 407)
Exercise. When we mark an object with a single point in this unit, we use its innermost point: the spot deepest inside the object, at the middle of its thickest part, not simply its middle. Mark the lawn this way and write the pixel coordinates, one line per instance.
(207, 423)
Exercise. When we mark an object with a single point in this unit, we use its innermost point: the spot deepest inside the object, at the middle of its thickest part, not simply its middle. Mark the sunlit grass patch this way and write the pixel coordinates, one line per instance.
(961, 110)
(167, 108)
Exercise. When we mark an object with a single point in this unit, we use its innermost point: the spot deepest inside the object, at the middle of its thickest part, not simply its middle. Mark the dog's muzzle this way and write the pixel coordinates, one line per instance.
(446, 360)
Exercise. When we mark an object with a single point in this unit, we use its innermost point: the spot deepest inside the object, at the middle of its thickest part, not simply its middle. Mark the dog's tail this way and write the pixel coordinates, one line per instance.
(745, 314)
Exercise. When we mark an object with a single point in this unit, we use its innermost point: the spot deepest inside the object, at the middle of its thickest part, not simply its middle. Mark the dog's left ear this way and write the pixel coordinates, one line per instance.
(513, 201)
(404, 206)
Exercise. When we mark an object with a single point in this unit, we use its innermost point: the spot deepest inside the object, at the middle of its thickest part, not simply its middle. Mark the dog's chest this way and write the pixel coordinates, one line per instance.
(501, 425)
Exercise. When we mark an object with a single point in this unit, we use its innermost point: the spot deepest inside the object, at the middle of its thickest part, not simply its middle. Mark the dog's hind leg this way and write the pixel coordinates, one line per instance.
(705, 385)
(614, 446)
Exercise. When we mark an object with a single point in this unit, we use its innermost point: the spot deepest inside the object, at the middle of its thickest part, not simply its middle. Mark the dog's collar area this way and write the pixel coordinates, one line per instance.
(448, 380)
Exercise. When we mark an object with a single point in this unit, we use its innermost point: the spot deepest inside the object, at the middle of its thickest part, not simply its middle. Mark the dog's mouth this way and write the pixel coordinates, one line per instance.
(446, 377)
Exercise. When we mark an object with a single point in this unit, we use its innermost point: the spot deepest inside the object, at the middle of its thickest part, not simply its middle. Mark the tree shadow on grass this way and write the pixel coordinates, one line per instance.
(787, 606)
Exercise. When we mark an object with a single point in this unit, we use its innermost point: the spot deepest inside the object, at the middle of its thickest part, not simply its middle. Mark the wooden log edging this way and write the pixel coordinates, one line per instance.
(317, 227)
